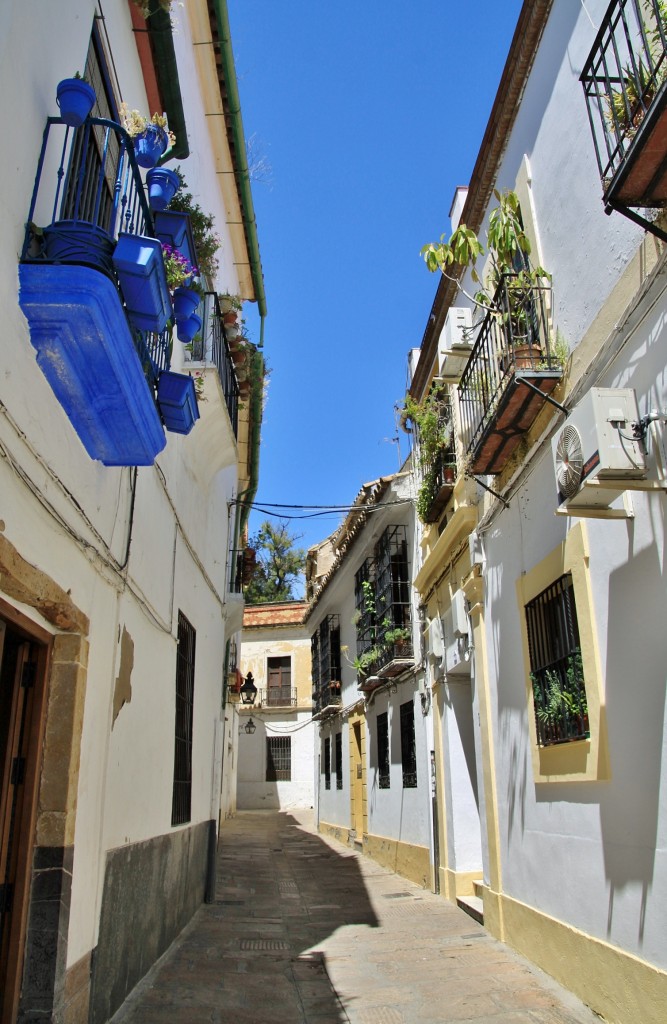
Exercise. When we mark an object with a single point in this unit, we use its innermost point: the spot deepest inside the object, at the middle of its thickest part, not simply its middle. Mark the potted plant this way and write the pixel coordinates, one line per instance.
(162, 184)
(141, 271)
(151, 135)
(76, 99)
(177, 401)
(188, 328)
(508, 294)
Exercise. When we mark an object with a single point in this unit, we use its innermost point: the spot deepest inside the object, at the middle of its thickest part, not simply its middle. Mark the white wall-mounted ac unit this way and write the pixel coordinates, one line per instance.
(455, 344)
(595, 453)
(457, 642)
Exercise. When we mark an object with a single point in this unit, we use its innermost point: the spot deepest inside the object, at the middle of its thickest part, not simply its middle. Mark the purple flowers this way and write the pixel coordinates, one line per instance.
(178, 268)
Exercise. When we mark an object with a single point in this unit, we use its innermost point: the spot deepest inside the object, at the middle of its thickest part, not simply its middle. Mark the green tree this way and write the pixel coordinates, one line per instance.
(279, 564)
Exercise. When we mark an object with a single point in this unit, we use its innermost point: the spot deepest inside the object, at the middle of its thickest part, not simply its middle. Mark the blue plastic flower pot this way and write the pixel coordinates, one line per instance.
(186, 329)
(149, 147)
(177, 400)
(186, 302)
(75, 99)
(162, 184)
(140, 267)
(78, 241)
(174, 228)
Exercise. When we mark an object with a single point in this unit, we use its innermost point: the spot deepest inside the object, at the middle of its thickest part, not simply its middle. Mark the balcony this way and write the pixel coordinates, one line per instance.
(327, 695)
(278, 697)
(438, 474)
(511, 370)
(211, 347)
(93, 289)
(625, 85)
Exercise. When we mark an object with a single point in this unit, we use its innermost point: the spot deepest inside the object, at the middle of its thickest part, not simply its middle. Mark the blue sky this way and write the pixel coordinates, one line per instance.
(369, 114)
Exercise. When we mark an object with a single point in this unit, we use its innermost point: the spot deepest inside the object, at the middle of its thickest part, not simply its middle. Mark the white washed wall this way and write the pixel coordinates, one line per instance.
(253, 790)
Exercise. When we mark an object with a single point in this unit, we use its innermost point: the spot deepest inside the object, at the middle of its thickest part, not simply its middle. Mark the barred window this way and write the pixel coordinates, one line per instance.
(408, 746)
(556, 670)
(383, 750)
(339, 760)
(185, 683)
(327, 763)
(278, 758)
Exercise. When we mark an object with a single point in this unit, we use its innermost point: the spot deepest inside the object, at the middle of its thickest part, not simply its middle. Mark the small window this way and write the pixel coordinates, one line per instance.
(327, 763)
(339, 760)
(408, 747)
(556, 670)
(185, 683)
(278, 759)
(383, 750)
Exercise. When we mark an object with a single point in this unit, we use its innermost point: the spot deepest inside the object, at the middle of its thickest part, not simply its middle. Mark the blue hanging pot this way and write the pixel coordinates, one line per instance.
(185, 303)
(75, 99)
(162, 184)
(186, 329)
(149, 146)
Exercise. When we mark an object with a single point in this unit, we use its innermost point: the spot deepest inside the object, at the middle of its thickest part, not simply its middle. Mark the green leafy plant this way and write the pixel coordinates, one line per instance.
(435, 437)
(178, 268)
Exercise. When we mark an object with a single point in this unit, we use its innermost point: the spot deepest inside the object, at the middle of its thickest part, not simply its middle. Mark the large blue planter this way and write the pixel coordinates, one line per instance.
(177, 400)
(174, 228)
(162, 185)
(143, 281)
(149, 147)
(86, 351)
(78, 241)
(75, 99)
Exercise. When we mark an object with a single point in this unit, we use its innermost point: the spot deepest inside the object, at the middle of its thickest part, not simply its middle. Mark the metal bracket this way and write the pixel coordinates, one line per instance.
(547, 398)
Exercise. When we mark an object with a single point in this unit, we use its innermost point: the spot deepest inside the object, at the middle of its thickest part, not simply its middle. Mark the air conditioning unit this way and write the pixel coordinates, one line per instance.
(595, 452)
(455, 344)
(456, 660)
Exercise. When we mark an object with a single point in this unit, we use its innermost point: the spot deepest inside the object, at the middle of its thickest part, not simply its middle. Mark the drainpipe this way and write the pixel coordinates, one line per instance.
(166, 69)
(242, 173)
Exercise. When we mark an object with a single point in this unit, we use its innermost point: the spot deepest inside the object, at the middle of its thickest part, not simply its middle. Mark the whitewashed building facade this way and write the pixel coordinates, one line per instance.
(117, 601)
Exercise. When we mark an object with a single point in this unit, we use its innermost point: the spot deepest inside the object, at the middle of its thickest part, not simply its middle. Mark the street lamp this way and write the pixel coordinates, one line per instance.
(249, 727)
(248, 691)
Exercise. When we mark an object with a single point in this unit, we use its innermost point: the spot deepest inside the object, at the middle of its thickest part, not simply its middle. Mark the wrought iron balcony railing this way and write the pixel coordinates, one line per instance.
(438, 476)
(212, 346)
(327, 695)
(278, 697)
(88, 190)
(511, 368)
(625, 85)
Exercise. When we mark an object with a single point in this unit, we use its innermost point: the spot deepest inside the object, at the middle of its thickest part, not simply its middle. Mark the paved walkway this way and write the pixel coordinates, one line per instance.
(305, 931)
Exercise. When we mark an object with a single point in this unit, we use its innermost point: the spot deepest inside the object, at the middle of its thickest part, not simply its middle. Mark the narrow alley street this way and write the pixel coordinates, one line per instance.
(305, 930)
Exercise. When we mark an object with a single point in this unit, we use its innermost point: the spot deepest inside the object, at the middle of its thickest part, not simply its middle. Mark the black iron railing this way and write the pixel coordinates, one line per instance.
(212, 346)
(235, 571)
(88, 189)
(513, 339)
(623, 77)
(439, 473)
(278, 697)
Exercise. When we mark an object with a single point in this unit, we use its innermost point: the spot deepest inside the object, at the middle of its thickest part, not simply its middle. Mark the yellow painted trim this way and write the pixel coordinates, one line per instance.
(619, 986)
(461, 524)
(406, 859)
(355, 788)
(338, 832)
(581, 760)
(461, 883)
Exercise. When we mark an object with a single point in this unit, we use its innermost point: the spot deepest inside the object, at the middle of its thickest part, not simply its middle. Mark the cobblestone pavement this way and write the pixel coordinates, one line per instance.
(305, 930)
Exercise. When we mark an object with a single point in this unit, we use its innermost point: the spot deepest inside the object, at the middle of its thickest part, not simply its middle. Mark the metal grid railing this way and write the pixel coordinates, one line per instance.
(212, 345)
(278, 696)
(626, 68)
(513, 338)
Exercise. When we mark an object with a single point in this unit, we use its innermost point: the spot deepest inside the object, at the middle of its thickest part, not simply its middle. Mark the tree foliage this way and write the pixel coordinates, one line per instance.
(279, 564)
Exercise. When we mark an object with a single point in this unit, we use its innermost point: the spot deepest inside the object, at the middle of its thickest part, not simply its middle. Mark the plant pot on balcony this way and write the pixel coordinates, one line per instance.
(177, 400)
(186, 329)
(150, 145)
(162, 185)
(79, 242)
(76, 100)
(143, 281)
(521, 357)
(186, 301)
(174, 228)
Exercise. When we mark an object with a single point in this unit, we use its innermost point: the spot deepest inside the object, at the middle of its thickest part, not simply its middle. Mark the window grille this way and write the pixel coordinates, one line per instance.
(326, 668)
(185, 681)
(327, 763)
(339, 760)
(383, 750)
(382, 602)
(364, 603)
(556, 671)
(278, 758)
(408, 746)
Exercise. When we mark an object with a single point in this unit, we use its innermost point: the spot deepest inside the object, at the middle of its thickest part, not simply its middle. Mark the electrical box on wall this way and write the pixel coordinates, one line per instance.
(457, 660)
(460, 625)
